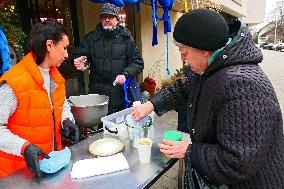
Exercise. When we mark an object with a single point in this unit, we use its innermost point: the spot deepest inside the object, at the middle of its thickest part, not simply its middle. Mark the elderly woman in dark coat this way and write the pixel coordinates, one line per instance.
(234, 117)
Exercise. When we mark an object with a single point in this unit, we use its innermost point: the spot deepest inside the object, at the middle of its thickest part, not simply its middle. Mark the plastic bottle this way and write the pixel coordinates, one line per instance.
(134, 127)
(129, 118)
(136, 103)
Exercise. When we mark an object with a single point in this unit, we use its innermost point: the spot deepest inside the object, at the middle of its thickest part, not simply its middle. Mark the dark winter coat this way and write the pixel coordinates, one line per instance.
(110, 53)
(234, 118)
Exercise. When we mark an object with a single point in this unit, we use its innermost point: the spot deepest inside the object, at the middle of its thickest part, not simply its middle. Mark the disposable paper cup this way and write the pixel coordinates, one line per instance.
(144, 149)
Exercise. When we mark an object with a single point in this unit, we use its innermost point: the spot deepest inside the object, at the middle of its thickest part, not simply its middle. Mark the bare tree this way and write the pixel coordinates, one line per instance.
(276, 16)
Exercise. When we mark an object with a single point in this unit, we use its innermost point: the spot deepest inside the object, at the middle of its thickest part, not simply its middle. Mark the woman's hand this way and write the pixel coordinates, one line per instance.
(140, 111)
(174, 149)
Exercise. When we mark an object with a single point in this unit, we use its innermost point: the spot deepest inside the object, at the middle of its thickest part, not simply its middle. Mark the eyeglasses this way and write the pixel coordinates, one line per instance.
(105, 16)
(178, 44)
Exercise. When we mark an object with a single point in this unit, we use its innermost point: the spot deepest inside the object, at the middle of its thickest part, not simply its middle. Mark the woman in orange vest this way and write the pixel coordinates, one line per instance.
(34, 112)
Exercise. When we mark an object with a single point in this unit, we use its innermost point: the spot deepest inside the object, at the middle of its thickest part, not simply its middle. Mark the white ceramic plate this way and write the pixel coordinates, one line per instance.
(106, 147)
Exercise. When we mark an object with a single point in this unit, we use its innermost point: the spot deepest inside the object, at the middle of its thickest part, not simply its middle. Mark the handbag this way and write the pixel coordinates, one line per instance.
(194, 180)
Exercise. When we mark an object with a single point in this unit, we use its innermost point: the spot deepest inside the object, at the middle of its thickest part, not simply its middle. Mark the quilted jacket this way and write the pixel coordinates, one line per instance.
(5, 60)
(110, 53)
(234, 118)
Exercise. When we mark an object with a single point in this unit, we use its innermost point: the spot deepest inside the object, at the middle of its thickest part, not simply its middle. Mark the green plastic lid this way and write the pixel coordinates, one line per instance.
(172, 135)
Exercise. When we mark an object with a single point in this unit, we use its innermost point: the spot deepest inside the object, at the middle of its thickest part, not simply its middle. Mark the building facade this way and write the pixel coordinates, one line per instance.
(82, 16)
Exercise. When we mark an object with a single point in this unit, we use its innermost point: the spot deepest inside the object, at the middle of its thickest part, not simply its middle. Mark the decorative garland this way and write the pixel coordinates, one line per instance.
(120, 3)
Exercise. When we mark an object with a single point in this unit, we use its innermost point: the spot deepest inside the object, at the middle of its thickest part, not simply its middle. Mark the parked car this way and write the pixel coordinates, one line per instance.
(262, 44)
(279, 47)
(274, 46)
(268, 46)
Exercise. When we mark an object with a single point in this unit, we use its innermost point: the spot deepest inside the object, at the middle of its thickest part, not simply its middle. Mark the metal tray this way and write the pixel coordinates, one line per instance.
(106, 147)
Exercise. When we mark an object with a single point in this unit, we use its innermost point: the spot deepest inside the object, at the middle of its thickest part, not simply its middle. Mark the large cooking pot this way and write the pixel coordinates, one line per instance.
(89, 109)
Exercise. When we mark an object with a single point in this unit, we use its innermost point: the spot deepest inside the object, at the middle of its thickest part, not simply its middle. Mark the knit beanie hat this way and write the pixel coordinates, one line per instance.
(202, 29)
(110, 9)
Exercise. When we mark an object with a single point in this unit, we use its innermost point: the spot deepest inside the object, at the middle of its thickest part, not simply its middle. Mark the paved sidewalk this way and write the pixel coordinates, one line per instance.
(272, 65)
(170, 179)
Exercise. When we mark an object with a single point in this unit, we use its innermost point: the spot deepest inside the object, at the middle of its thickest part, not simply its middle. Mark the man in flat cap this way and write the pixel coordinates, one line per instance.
(112, 55)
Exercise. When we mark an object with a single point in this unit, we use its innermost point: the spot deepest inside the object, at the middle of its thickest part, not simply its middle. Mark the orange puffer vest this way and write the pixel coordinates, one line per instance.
(33, 119)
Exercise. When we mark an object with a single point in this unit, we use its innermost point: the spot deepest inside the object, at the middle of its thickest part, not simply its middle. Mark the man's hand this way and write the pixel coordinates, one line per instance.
(80, 62)
(120, 79)
(174, 149)
(70, 131)
(140, 111)
(31, 155)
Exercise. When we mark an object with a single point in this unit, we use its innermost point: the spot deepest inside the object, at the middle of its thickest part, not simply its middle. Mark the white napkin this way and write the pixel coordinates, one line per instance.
(98, 166)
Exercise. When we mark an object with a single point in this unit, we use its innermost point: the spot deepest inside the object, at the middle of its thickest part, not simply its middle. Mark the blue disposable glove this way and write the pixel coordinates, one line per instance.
(57, 160)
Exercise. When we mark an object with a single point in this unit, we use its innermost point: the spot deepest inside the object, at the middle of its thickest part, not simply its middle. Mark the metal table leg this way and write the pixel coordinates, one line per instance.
(180, 174)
